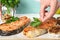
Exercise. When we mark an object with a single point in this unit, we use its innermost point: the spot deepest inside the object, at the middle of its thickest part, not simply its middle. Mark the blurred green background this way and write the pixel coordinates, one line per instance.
(29, 6)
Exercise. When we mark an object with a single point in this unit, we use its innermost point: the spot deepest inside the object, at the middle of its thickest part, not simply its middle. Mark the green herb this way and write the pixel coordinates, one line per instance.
(12, 19)
(36, 19)
(36, 22)
(10, 3)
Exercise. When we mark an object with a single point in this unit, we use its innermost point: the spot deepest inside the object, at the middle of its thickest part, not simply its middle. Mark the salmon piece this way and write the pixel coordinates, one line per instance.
(54, 29)
(49, 23)
(14, 27)
(30, 31)
(29, 28)
(33, 32)
(58, 20)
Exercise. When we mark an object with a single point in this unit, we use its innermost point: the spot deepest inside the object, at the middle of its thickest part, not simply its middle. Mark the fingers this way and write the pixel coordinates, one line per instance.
(51, 13)
(58, 4)
(42, 12)
(46, 17)
(53, 7)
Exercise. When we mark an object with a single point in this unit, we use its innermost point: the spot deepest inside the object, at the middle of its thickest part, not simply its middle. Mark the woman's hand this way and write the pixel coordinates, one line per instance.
(59, 4)
(44, 4)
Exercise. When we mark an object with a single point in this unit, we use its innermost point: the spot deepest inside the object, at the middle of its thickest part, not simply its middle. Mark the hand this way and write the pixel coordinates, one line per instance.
(59, 4)
(44, 4)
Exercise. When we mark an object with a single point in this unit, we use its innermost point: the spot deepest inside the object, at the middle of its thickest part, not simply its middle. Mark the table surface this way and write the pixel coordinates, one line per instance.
(21, 36)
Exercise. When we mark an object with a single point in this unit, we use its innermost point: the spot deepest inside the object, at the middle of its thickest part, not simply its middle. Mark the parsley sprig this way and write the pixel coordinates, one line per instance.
(36, 22)
(12, 19)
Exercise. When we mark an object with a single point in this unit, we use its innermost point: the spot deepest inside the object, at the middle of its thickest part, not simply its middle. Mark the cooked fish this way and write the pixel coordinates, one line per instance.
(33, 32)
(14, 27)
(58, 20)
(55, 30)
(49, 23)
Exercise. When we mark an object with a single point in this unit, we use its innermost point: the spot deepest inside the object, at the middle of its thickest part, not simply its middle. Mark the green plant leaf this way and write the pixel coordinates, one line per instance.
(12, 19)
(10, 3)
(36, 19)
(36, 22)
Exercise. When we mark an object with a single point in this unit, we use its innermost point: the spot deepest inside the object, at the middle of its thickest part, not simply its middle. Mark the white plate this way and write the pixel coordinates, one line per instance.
(21, 36)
